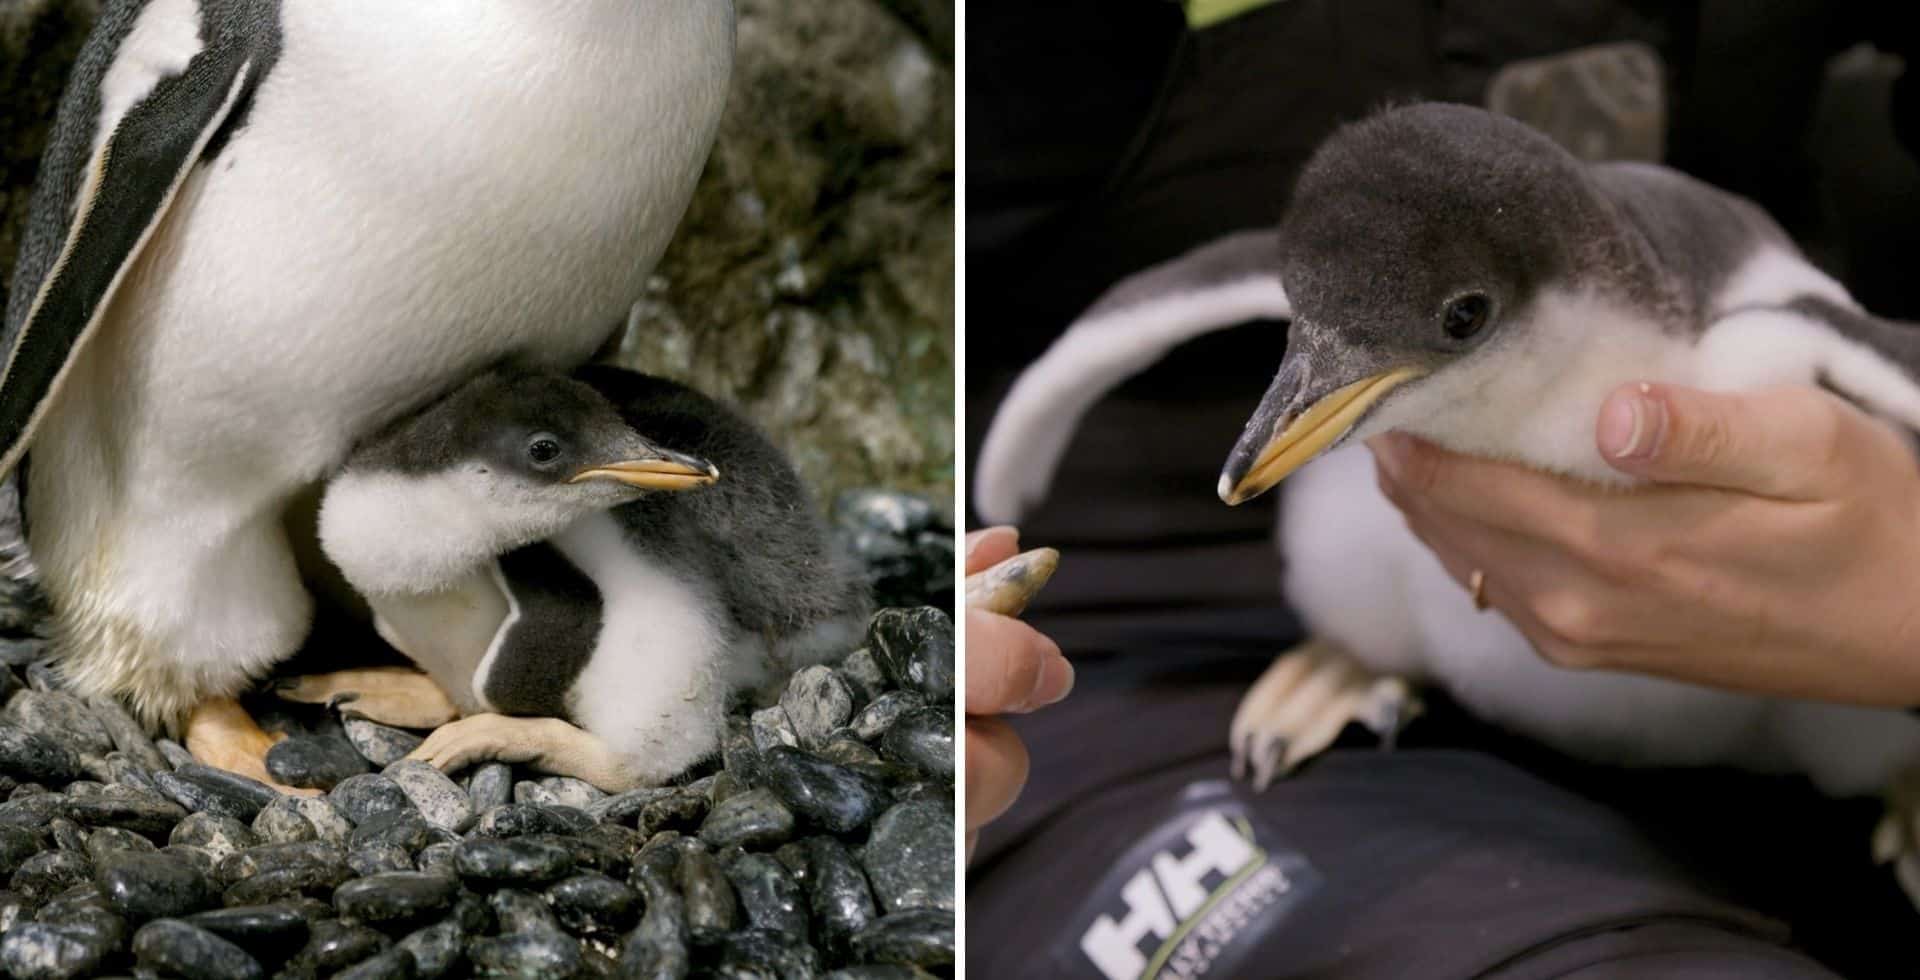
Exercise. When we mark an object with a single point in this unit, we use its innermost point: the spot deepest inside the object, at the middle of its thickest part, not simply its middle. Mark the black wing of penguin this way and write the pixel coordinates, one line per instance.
(1453, 274)
(585, 569)
(121, 161)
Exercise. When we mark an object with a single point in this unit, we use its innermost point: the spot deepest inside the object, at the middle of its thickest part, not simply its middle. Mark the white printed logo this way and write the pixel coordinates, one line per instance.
(1172, 895)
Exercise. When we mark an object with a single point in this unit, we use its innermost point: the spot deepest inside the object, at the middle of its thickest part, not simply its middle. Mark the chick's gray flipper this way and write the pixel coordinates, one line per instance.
(1224, 283)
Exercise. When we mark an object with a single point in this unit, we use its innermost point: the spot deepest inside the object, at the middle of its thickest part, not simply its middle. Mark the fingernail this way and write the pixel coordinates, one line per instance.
(1055, 683)
(977, 538)
(1631, 424)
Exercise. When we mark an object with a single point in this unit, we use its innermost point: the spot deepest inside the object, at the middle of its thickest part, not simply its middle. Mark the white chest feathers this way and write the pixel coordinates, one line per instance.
(1362, 580)
(658, 681)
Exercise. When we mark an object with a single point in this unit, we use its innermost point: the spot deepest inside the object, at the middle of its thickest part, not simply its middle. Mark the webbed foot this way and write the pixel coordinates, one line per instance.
(220, 733)
(547, 744)
(397, 696)
(1298, 707)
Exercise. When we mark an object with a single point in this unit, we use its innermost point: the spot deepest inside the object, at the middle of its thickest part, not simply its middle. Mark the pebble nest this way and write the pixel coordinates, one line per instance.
(820, 844)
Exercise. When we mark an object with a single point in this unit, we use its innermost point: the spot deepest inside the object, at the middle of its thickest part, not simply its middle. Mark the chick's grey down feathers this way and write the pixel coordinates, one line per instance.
(753, 542)
(756, 533)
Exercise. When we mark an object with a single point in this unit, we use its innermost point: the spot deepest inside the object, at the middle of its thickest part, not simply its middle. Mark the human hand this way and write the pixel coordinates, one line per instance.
(1011, 669)
(1776, 548)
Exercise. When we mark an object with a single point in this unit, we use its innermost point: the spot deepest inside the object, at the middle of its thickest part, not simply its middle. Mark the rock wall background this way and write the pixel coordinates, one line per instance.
(812, 282)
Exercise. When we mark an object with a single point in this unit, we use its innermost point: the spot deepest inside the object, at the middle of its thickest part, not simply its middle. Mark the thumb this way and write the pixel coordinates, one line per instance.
(990, 547)
(1778, 442)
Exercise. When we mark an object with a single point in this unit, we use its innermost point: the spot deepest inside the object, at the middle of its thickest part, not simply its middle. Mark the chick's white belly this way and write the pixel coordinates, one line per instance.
(1361, 579)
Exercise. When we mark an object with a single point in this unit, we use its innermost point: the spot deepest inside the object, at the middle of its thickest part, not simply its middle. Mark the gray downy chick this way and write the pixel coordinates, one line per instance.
(589, 567)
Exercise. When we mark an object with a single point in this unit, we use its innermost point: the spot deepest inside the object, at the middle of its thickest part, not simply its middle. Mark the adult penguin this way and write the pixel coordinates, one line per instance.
(263, 231)
(1456, 275)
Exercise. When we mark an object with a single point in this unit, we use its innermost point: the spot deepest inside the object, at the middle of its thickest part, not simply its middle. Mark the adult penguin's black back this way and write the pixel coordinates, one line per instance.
(756, 535)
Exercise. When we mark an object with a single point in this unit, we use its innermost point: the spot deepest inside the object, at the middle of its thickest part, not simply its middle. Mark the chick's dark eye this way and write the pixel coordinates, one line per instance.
(1466, 316)
(543, 449)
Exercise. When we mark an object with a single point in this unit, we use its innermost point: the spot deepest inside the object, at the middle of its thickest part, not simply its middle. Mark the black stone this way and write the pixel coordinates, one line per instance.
(762, 952)
(31, 756)
(773, 900)
(538, 955)
(514, 862)
(874, 720)
(397, 899)
(131, 774)
(67, 835)
(282, 823)
(624, 808)
(16, 845)
(107, 841)
(594, 904)
(837, 892)
(607, 848)
(206, 790)
(474, 914)
(658, 948)
(520, 819)
(678, 811)
(219, 835)
(314, 761)
(63, 718)
(405, 829)
(21, 651)
(852, 753)
(436, 950)
(129, 736)
(379, 744)
(878, 971)
(833, 798)
(394, 964)
(151, 816)
(361, 797)
(436, 859)
(520, 911)
(144, 886)
(490, 786)
(923, 937)
(49, 873)
(335, 945)
(199, 857)
(711, 907)
(922, 739)
(755, 819)
(915, 649)
(902, 541)
(174, 947)
(379, 859)
(287, 883)
(265, 858)
(271, 933)
(48, 950)
(909, 857)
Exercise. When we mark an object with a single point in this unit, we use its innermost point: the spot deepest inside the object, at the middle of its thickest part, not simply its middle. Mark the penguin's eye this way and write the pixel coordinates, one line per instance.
(543, 448)
(1466, 316)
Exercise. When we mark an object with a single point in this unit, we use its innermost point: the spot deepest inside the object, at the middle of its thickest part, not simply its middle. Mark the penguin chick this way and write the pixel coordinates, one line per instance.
(589, 568)
(1453, 274)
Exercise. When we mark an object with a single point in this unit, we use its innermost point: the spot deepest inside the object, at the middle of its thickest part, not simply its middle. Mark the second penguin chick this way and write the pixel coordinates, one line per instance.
(589, 568)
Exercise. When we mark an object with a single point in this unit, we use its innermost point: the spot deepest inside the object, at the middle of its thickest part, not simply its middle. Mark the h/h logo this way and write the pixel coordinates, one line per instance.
(1164, 898)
